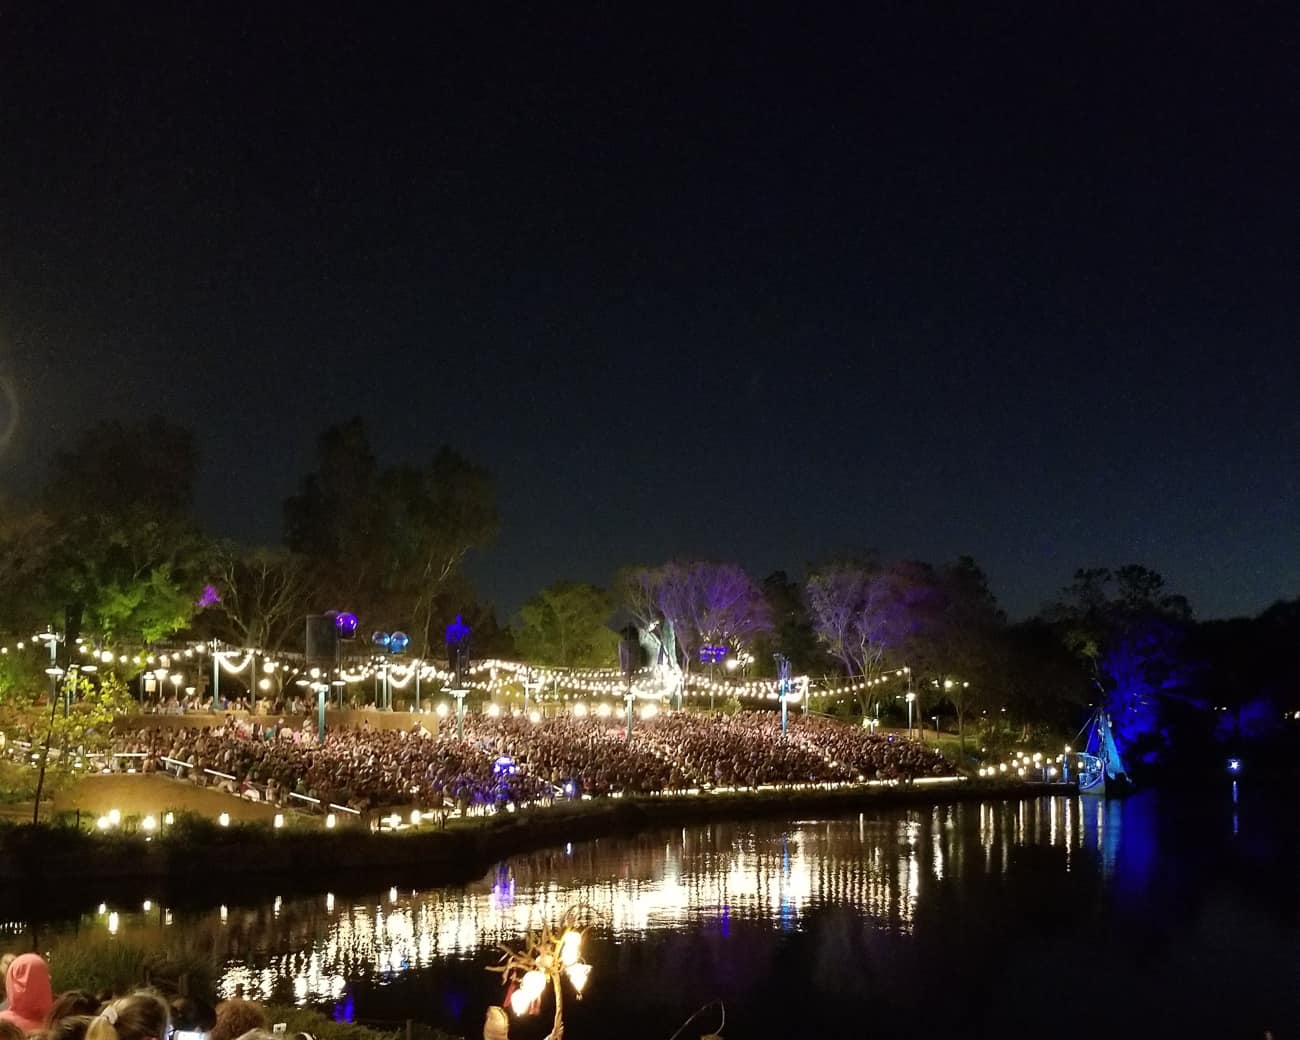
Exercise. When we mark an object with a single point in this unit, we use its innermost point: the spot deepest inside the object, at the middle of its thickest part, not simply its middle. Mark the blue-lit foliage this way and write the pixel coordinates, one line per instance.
(1132, 634)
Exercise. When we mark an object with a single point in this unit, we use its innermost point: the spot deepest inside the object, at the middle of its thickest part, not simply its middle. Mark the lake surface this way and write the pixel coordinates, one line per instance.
(1155, 916)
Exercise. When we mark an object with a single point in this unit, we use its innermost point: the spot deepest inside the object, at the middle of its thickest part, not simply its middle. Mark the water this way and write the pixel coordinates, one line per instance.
(1154, 916)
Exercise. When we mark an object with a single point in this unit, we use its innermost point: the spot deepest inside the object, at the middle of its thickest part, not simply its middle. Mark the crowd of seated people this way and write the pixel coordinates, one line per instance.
(362, 769)
(515, 759)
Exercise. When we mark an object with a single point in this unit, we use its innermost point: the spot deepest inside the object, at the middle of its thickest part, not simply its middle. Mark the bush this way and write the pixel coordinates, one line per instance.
(304, 1020)
(120, 968)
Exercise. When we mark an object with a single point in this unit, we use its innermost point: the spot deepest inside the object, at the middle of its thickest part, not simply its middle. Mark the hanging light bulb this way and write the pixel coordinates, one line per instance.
(532, 985)
(578, 976)
(570, 947)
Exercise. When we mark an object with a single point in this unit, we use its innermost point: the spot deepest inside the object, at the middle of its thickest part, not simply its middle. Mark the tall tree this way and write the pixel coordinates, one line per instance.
(566, 625)
(958, 647)
(262, 596)
(792, 634)
(144, 468)
(707, 604)
(118, 545)
(389, 540)
(866, 614)
(1130, 631)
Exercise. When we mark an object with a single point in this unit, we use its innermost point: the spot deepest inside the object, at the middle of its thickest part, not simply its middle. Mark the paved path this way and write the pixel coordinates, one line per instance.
(141, 795)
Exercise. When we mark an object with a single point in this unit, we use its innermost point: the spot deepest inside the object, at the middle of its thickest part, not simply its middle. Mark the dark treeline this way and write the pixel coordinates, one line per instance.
(112, 549)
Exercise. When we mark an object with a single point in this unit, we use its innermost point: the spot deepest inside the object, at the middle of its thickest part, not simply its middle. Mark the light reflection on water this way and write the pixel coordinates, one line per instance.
(311, 949)
(870, 907)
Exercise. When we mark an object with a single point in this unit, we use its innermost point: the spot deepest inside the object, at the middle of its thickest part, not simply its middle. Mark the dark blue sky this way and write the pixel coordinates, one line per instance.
(1021, 283)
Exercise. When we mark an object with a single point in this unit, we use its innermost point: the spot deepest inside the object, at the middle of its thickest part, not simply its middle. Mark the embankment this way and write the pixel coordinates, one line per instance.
(195, 852)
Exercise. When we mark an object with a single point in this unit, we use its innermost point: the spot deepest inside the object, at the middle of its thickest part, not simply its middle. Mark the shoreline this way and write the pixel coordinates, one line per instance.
(65, 865)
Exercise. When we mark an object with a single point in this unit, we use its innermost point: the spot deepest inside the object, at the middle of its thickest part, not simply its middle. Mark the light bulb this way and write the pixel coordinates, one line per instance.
(578, 975)
(532, 985)
(570, 947)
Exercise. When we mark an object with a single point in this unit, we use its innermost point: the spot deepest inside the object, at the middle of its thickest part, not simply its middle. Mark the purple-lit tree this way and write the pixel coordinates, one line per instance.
(707, 603)
(863, 613)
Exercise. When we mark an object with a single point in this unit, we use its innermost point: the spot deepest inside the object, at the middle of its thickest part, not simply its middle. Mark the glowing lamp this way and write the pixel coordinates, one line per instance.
(169, 819)
(519, 1002)
(345, 624)
(148, 825)
(493, 711)
(279, 820)
(1234, 765)
(102, 823)
(114, 816)
(380, 639)
(534, 716)
(580, 710)
(532, 985)
(578, 976)
(570, 947)
(441, 711)
(224, 819)
(330, 821)
(415, 817)
(398, 642)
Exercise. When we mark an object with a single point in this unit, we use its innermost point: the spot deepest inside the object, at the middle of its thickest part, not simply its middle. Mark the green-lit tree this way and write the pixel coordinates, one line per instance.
(112, 543)
(566, 625)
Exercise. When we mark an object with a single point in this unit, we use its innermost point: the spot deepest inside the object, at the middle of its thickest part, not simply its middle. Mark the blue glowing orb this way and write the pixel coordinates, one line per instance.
(345, 623)
(398, 642)
(380, 639)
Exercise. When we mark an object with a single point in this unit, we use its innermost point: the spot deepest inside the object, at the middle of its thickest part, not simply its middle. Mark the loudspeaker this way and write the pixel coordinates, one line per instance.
(322, 638)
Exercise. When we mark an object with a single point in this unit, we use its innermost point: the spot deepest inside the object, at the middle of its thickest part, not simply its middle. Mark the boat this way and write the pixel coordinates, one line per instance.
(1101, 771)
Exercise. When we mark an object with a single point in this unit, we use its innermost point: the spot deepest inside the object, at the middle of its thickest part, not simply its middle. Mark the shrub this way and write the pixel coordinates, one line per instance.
(121, 967)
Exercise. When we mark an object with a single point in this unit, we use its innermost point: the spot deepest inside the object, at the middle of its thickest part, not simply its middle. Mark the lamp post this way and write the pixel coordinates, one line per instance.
(711, 655)
(54, 672)
(460, 712)
(533, 687)
(911, 699)
(783, 673)
(216, 677)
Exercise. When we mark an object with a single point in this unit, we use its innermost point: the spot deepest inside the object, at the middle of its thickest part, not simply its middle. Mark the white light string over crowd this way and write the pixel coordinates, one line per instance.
(495, 676)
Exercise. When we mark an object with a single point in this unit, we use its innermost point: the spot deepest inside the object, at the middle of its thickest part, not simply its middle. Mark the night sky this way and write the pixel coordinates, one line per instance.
(1022, 283)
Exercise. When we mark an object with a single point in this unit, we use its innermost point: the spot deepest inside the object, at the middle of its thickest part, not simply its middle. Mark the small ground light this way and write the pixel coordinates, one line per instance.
(224, 819)
(415, 817)
(330, 821)
(279, 820)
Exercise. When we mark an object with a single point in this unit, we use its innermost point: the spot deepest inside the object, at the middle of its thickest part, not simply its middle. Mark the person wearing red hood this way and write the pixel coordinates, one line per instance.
(27, 987)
